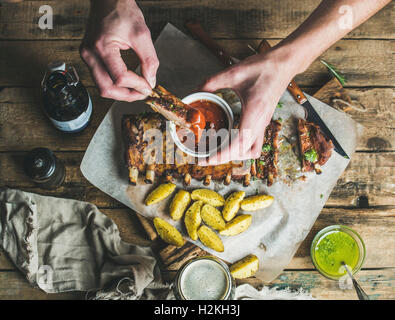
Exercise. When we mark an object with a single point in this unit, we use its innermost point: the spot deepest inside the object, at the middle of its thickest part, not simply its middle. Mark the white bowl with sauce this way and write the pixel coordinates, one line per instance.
(228, 117)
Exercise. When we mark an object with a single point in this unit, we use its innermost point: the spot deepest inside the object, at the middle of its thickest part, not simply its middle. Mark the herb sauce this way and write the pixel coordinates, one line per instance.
(334, 248)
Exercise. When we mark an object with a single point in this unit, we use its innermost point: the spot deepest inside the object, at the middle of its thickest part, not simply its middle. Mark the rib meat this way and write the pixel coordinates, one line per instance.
(311, 139)
(266, 164)
(167, 104)
(134, 127)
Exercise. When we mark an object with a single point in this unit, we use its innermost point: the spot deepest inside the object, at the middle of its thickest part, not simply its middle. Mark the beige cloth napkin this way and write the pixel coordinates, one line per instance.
(68, 245)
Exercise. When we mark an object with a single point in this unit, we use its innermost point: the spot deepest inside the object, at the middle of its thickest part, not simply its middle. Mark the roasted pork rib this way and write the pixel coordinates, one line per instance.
(315, 147)
(173, 162)
(167, 104)
(266, 164)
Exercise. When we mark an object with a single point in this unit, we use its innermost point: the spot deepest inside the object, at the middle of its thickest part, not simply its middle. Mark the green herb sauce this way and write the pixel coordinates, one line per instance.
(311, 155)
(334, 248)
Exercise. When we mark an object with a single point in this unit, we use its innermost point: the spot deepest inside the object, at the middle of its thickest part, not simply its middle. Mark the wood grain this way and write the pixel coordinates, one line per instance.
(221, 18)
(378, 284)
(363, 62)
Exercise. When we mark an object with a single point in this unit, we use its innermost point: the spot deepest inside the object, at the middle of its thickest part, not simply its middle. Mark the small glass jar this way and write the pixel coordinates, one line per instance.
(338, 228)
(204, 278)
(42, 166)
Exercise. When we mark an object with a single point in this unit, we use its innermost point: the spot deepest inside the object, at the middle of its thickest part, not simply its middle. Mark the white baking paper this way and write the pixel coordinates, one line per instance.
(275, 232)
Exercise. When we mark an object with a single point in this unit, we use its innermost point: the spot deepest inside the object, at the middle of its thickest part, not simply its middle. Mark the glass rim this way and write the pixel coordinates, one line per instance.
(212, 258)
(349, 231)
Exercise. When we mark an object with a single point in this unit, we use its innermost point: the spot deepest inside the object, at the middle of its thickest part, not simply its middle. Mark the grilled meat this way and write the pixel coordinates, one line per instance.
(315, 147)
(266, 164)
(168, 160)
(167, 104)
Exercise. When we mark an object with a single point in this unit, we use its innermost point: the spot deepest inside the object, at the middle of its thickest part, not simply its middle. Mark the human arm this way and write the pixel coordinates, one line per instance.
(260, 80)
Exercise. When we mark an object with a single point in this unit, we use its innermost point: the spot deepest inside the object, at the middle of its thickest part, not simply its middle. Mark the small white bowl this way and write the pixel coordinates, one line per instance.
(209, 97)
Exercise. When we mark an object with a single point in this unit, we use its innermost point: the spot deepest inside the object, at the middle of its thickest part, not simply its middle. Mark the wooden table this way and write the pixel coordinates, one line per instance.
(363, 197)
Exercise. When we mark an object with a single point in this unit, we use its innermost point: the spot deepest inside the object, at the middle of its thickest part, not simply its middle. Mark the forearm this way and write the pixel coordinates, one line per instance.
(328, 23)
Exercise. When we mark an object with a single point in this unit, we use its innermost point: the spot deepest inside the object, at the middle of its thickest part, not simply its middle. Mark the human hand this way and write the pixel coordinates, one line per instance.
(116, 25)
(260, 81)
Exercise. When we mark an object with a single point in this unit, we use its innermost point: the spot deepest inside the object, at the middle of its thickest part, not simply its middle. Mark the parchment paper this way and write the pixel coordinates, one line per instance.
(277, 231)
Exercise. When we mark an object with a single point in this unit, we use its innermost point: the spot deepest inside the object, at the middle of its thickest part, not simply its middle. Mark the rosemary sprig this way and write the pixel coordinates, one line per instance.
(334, 72)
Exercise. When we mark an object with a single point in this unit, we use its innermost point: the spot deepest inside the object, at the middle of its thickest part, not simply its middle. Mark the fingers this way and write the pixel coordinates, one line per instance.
(144, 48)
(104, 82)
(224, 79)
(122, 77)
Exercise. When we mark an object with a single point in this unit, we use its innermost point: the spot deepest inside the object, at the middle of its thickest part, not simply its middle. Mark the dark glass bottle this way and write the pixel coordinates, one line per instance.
(66, 101)
(42, 166)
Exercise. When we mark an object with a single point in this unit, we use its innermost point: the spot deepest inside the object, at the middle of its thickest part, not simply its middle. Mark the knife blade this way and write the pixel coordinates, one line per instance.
(196, 29)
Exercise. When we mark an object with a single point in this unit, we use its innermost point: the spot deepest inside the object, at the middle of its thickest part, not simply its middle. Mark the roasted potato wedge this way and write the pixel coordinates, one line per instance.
(168, 233)
(232, 205)
(179, 203)
(257, 202)
(212, 217)
(208, 196)
(210, 239)
(193, 219)
(245, 267)
(237, 225)
(160, 193)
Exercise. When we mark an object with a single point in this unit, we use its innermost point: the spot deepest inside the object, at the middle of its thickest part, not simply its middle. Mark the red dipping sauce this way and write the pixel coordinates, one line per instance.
(214, 115)
(205, 114)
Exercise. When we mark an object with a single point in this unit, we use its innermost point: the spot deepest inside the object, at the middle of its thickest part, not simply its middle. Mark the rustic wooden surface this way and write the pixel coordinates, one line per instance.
(363, 197)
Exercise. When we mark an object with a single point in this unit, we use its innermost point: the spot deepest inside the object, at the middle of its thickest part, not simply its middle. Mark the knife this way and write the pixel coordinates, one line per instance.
(312, 116)
(197, 30)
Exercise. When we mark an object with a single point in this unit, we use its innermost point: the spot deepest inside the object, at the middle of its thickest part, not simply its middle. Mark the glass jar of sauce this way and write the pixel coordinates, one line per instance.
(42, 166)
(334, 246)
(204, 278)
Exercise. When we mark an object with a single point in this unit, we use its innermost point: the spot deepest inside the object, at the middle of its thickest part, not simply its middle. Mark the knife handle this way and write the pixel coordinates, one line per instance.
(296, 92)
(197, 31)
(293, 88)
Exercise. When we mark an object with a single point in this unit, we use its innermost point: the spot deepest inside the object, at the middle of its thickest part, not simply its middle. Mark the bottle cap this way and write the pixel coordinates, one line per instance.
(56, 65)
(39, 163)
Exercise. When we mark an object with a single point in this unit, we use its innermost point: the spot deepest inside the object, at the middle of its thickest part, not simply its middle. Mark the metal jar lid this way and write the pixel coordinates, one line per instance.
(39, 163)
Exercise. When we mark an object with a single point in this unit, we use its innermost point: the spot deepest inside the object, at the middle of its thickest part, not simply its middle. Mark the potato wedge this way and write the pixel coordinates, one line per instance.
(160, 193)
(168, 233)
(179, 203)
(210, 239)
(237, 225)
(193, 219)
(212, 217)
(232, 205)
(245, 267)
(208, 196)
(257, 202)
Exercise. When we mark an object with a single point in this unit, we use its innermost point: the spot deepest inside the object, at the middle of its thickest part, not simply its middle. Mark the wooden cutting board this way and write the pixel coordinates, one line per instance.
(171, 257)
